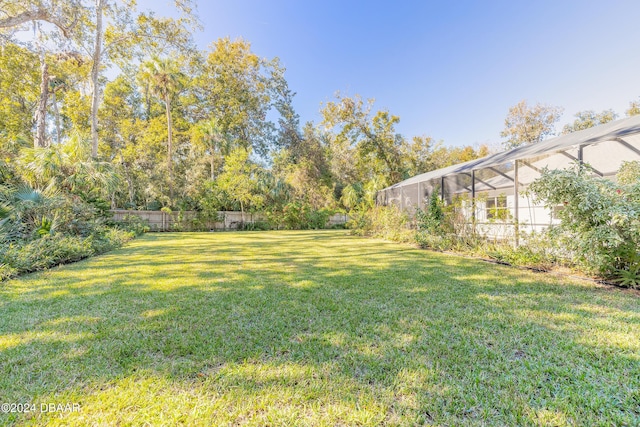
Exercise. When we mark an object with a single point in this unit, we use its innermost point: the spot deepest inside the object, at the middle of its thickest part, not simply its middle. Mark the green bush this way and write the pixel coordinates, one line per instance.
(431, 230)
(600, 221)
(300, 216)
(432, 220)
(534, 254)
(133, 223)
(256, 226)
(205, 220)
(30, 213)
(294, 215)
(46, 252)
(317, 219)
(7, 272)
(359, 222)
(52, 250)
(438, 242)
(386, 222)
(110, 239)
(43, 228)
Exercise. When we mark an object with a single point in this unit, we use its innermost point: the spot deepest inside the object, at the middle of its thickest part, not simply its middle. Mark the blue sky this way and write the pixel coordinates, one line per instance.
(449, 69)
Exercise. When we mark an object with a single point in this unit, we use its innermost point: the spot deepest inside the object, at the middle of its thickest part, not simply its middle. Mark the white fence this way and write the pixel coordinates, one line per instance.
(184, 221)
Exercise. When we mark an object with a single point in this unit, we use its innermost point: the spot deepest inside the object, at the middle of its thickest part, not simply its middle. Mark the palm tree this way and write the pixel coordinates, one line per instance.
(210, 135)
(165, 80)
(23, 211)
(67, 167)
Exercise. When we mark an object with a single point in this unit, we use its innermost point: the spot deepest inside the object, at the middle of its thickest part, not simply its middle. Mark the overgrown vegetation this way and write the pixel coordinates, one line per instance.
(600, 219)
(432, 226)
(599, 232)
(40, 230)
(381, 221)
(52, 212)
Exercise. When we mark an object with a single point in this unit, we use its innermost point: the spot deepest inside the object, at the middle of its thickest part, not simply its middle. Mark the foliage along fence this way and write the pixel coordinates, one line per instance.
(185, 220)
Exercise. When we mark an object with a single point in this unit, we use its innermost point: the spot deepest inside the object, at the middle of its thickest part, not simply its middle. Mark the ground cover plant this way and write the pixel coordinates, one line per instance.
(313, 328)
(42, 229)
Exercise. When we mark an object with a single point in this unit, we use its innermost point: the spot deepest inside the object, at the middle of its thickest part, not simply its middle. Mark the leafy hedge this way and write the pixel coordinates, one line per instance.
(600, 219)
(299, 216)
(52, 250)
(41, 229)
(386, 222)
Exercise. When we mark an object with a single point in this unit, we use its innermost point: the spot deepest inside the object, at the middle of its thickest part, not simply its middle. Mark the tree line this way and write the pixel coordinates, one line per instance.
(118, 107)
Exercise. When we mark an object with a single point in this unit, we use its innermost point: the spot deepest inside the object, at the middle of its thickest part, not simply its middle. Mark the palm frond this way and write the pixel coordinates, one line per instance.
(5, 211)
(25, 193)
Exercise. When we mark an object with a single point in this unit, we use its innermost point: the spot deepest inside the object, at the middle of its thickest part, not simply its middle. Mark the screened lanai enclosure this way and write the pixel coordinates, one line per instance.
(490, 193)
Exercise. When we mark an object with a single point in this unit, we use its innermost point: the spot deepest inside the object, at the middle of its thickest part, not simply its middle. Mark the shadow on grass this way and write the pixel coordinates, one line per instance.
(358, 330)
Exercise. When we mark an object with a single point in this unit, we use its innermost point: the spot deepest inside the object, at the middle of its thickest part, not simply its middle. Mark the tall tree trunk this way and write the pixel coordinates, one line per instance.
(213, 165)
(127, 174)
(57, 112)
(95, 73)
(169, 147)
(41, 113)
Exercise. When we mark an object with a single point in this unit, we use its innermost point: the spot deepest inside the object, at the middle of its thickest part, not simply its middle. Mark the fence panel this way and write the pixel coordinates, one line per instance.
(183, 221)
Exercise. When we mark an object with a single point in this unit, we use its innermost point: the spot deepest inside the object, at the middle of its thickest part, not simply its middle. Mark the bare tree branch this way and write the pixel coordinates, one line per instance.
(36, 15)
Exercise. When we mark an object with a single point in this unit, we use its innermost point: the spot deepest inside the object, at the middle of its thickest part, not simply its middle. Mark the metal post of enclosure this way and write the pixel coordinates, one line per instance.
(516, 203)
(442, 188)
(473, 200)
(580, 154)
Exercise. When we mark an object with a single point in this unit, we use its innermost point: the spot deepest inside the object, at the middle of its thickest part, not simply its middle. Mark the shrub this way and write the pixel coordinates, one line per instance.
(537, 253)
(205, 220)
(133, 224)
(600, 221)
(438, 242)
(52, 250)
(629, 173)
(300, 216)
(386, 222)
(430, 226)
(30, 213)
(339, 226)
(447, 227)
(294, 215)
(256, 226)
(7, 272)
(46, 252)
(111, 239)
(431, 220)
(359, 222)
(317, 219)
(43, 228)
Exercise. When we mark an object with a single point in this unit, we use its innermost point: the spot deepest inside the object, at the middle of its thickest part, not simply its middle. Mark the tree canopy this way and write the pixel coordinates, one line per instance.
(588, 119)
(529, 124)
(195, 130)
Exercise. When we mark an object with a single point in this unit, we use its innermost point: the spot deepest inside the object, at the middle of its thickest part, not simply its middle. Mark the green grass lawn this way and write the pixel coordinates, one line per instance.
(314, 328)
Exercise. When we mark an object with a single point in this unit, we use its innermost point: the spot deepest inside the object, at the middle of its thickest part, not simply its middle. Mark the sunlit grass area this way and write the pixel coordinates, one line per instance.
(314, 328)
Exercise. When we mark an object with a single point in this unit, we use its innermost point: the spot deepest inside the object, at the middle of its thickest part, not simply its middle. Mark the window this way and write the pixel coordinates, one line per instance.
(497, 208)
